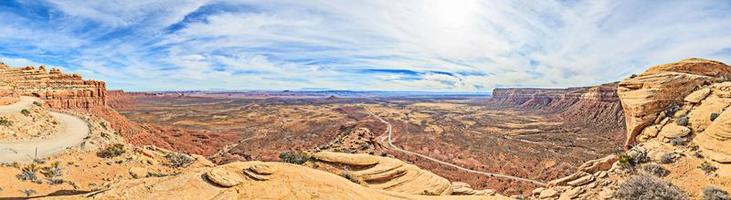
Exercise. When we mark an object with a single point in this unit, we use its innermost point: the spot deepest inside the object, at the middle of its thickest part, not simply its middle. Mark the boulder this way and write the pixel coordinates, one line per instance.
(644, 97)
(582, 180)
(548, 193)
(698, 95)
(673, 130)
(715, 141)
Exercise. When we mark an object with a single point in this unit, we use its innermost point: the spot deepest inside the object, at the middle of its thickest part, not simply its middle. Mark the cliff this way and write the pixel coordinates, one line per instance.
(58, 90)
(595, 104)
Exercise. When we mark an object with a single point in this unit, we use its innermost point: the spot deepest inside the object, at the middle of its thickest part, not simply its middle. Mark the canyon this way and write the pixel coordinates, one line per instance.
(672, 119)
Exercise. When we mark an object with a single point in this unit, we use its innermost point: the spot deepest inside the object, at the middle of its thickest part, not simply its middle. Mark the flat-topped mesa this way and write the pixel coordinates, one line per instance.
(58, 90)
(659, 91)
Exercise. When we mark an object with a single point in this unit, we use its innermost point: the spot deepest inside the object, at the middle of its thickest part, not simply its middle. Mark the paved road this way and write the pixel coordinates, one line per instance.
(390, 143)
(72, 132)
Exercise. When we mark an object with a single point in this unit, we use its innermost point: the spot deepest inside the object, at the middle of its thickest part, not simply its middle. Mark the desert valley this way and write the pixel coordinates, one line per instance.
(365, 100)
(516, 143)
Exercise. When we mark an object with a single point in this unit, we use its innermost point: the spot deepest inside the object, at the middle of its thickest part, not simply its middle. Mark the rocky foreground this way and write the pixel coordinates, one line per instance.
(678, 131)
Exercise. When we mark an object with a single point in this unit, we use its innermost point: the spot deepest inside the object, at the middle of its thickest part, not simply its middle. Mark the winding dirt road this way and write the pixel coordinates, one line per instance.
(73, 131)
(390, 143)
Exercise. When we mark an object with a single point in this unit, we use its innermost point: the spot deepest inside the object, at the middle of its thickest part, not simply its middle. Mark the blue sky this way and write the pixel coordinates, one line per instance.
(440, 45)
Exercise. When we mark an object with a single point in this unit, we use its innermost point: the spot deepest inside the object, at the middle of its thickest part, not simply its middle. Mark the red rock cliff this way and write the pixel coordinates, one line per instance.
(58, 90)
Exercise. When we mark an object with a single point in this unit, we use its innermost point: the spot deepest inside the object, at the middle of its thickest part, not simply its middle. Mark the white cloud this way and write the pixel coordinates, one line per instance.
(286, 44)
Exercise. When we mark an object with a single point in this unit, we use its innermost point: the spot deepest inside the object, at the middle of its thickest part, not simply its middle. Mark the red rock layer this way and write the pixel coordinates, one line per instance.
(582, 104)
(58, 90)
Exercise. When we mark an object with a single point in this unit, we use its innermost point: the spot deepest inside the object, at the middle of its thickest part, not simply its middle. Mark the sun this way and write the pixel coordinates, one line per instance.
(453, 14)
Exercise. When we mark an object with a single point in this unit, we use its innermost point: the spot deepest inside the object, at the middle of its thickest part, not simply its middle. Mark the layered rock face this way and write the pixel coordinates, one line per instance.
(657, 93)
(259, 180)
(58, 90)
(597, 104)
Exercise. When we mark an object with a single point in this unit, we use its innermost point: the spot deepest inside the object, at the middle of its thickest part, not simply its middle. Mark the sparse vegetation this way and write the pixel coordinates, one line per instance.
(649, 188)
(709, 169)
(672, 108)
(625, 161)
(103, 125)
(53, 173)
(656, 170)
(28, 173)
(679, 141)
(5, 122)
(683, 121)
(714, 116)
(667, 158)
(111, 151)
(37, 103)
(28, 192)
(178, 160)
(25, 112)
(294, 157)
(713, 193)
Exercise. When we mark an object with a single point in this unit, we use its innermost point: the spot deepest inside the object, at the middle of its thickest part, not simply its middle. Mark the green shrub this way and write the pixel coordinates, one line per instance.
(178, 160)
(25, 112)
(294, 157)
(37, 103)
(713, 193)
(648, 187)
(111, 151)
(5, 122)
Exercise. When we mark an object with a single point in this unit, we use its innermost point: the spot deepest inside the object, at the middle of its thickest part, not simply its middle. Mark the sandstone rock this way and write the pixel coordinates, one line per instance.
(223, 177)
(722, 90)
(572, 193)
(601, 164)
(460, 188)
(645, 96)
(382, 172)
(673, 130)
(698, 95)
(715, 141)
(138, 172)
(565, 180)
(538, 191)
(287, 182)
(548, 193)
(700, 116)
(582, 181)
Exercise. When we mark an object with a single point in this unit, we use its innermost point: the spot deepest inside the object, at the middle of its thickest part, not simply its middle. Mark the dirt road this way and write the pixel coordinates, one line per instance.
(72, 132)
(390, 143)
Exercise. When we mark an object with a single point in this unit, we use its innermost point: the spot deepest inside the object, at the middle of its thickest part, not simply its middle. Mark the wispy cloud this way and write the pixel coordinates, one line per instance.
(461, 45)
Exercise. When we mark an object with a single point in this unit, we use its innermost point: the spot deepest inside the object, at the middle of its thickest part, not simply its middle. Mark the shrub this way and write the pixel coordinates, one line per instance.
(626, 161)
(683, 121)
(28, 192)
(294, 157)
(25, 112)
(679, 141)
(714, 116)
(37, 103)
(5, 122)
(52, 171)
(656, 170)
(28, 173)
(178, 160)
(709, 169)
(667, 158)
(111, 151)
(713, 193)
(103, 125)
(648, 187)
(672, 108)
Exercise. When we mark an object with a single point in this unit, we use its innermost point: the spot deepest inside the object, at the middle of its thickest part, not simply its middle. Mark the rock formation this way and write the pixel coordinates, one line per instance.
(253, 180)
(650, 96)
(599, 103)
(57, 89)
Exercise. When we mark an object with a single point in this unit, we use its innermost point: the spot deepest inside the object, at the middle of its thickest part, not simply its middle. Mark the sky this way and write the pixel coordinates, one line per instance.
(404, 45)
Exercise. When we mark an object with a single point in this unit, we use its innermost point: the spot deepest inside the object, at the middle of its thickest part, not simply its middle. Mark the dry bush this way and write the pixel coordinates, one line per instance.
(713, 193)
(648, 188)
